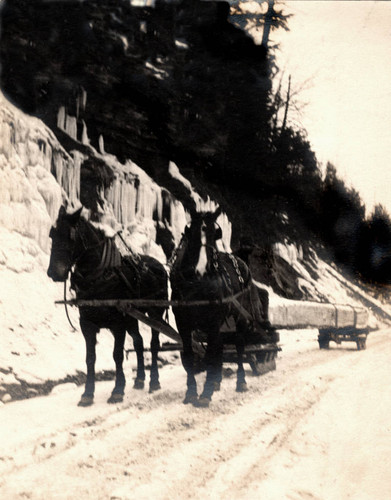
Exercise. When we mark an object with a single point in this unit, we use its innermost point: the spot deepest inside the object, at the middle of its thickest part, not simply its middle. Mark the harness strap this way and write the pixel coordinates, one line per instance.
(237, 270)
(124, 279)
(110, 259)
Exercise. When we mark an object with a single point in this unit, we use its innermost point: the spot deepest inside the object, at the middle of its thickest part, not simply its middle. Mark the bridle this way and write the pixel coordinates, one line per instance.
(73, 261)
(74, 231)
(185, 241)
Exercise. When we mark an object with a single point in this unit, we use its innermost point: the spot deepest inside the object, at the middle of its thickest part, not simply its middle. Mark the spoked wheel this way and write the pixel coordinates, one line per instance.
(324, 340)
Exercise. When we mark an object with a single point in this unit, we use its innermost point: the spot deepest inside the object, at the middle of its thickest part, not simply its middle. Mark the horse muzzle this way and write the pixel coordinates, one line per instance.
(58, 273)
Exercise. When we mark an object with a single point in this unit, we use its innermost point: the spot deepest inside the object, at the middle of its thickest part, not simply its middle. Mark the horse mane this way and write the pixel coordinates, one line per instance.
(103, 230)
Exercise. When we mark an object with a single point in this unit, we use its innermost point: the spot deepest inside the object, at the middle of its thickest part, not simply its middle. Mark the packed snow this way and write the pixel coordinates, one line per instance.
(316, 428)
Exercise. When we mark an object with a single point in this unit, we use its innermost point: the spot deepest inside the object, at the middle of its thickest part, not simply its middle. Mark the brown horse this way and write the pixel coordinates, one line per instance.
(98, 271)
(202, 273)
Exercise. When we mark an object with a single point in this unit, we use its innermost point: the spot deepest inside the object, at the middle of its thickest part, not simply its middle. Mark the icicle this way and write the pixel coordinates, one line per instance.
(101, 145)
(71, 126)
(178, 219)
(61, 118)
(58, 166)
(47, 160)
(84, 99)
(84, 137)
(74, 192)
(159, 205)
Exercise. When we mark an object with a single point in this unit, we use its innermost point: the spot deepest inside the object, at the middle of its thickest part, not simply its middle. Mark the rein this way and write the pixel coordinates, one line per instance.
(65, 305)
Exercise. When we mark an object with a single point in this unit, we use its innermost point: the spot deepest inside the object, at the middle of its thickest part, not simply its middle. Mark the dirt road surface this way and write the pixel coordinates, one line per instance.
(319, 427)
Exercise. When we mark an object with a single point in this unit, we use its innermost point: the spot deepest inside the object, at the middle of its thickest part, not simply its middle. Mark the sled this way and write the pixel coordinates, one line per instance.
(259, 355)
(346, 334)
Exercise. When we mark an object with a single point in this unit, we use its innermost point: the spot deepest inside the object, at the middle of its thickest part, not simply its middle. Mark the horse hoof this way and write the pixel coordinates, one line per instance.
(115, 398)
(138, 384)
(242, 387)
(86, 401)
(154, 387)
(190, 399)
(216, 386)
(202, 402)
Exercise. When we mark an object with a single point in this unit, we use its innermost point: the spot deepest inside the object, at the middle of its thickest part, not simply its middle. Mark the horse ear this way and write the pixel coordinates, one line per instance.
(73, 218)
(217, 213)
(218, 233)
(62, 211)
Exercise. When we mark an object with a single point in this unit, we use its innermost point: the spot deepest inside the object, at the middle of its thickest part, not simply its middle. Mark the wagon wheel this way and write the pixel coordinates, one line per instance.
(361, 344)
(324, 343)
(254, 365)
(262, 362)
(324, 340)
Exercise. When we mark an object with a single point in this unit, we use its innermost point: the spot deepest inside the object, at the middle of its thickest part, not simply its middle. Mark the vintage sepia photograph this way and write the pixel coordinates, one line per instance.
(195, 249)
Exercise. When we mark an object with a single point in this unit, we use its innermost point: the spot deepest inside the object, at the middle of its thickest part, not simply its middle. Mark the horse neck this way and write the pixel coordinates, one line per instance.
(96, 251)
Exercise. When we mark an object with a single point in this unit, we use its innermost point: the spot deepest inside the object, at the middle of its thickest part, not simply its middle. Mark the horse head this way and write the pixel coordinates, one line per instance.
(63, 236)
(201, 236)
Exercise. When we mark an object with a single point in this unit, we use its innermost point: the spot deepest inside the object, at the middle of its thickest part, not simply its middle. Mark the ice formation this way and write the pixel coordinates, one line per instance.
(37, 175)
(206, 205)
(29, 194)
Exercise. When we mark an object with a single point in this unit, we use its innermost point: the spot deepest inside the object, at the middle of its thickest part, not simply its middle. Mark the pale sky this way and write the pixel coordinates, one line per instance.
(344, 48)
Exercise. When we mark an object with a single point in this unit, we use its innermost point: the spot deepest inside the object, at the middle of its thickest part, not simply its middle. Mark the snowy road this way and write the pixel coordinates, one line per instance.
(319, 427)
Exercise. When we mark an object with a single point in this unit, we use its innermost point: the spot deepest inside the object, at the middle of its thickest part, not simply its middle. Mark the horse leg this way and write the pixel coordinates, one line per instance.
(188, 365)
(154, 383)
(89, 332)
(138, 344)
(117, 396)
(241, 385)
(214, 366)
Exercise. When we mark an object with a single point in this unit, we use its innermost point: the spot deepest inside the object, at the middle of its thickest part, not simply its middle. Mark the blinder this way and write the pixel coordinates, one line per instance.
(72, 233)
(218, 234)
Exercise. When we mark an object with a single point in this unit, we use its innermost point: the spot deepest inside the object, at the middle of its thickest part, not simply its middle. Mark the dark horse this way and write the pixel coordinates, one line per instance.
(100, 272)
(201, 273)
